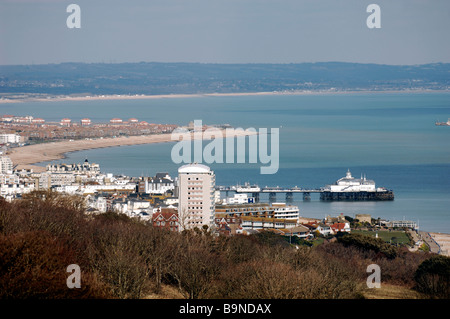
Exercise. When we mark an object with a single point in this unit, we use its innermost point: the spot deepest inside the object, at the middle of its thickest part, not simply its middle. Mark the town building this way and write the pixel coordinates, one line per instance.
(159, 184)
(90, 169)
(116, 120)
(241, 198)
(10, 138)
(166, 218)
(38, 121)
(65, 122)
(196, 205)
(249, 222)
(402, 224)
(6, 165)
(276, 210)
(85, 122)
(340, 227)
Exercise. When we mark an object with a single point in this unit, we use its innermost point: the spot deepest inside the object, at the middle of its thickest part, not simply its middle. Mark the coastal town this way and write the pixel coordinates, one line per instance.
(190, 200)
(22, 129)
(225, 158)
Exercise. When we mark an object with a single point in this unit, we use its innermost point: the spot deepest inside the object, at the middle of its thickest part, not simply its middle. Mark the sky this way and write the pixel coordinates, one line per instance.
(224, 31)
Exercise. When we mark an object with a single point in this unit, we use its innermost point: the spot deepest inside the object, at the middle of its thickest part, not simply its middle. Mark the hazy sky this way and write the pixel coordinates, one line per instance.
(224, 31)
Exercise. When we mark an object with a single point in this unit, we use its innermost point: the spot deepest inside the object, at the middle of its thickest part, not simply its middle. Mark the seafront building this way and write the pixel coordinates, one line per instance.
(196, 196)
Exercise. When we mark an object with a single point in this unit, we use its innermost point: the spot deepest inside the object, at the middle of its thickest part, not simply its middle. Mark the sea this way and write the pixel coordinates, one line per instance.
(390, 138)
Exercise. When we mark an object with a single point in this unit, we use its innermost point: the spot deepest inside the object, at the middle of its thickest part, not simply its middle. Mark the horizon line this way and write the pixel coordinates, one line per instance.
(224, 63)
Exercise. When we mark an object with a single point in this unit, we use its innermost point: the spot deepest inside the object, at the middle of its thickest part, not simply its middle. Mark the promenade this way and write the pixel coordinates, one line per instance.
(430, 241)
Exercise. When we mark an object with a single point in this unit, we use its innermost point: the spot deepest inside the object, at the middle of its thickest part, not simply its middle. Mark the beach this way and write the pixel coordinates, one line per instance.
(443, 240)
(26, 157)
(59, 98)
(136, 96)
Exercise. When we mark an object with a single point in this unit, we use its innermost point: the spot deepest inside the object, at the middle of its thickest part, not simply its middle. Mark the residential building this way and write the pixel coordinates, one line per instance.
(340, 227)
(299, 231)
(65, 122)
(227, 225)
(196, 205)
(6, 165)
(324, 229)
(166, 218)
(276, 210)
(249, 222)
(86, 168)
(159, 184)
(116, 121)
(85, 122)
(10, 138)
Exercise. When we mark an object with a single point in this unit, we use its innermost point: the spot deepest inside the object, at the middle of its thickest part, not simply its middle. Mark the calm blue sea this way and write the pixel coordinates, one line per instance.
(391, 138)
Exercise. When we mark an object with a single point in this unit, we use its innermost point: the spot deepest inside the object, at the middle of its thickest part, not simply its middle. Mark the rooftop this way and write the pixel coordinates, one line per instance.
(194, 168)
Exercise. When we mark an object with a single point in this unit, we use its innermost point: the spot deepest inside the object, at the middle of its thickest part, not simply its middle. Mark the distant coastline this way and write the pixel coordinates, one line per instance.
(58, 98)
(26, 157)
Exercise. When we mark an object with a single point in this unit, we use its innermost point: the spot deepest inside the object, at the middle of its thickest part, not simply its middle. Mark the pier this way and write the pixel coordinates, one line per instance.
(325, 195)
(255, 191)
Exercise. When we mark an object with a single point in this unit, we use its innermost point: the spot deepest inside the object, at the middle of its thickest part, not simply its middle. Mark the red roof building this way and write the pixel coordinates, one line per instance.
(166, 218)
(340, 227)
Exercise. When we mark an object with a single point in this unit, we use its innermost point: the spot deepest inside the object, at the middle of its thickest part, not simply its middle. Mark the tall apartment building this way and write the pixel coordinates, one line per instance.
(196, 205)
(6, 165)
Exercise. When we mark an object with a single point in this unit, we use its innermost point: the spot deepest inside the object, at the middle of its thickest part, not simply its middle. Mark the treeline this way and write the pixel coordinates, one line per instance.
(119, 257)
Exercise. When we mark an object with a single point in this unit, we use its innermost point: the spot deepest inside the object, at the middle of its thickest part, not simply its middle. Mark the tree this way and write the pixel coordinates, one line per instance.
(432, 277)
(196, 266)
(33, 265)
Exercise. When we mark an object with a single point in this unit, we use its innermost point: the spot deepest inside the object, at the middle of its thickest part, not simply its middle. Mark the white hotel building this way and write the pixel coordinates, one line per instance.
(196, 196)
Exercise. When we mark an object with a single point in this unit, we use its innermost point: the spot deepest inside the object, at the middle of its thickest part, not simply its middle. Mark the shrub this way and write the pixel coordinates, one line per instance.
(33, 265)
(369, 243)
(432, 277)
